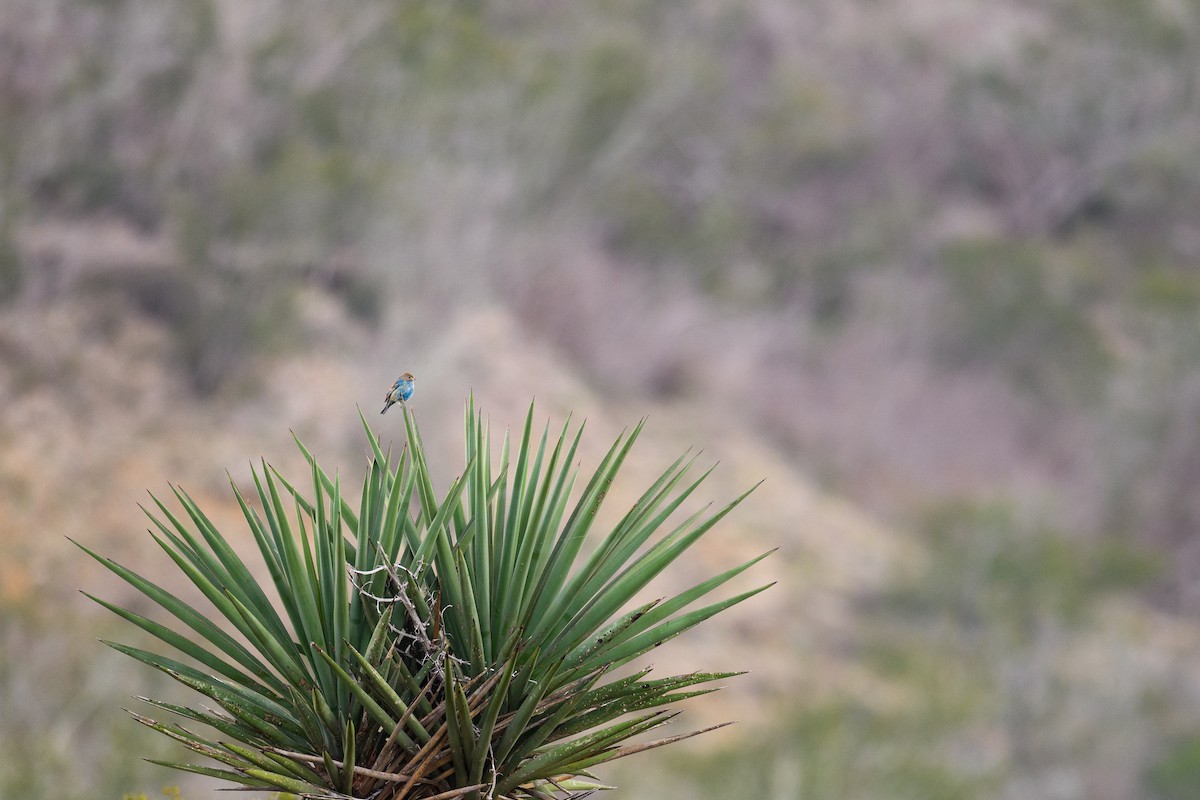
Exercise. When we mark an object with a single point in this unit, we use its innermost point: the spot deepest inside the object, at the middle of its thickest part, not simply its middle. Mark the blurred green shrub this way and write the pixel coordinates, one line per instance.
(220, 317)
(361, 293)
(1176, 776)
(615, 77)
(1011, 305)
(1170, 291)
(11, 276)
(61, 737)
(991, 571)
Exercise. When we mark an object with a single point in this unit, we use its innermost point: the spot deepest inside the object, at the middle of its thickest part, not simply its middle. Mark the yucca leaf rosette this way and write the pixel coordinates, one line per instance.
(425, 645)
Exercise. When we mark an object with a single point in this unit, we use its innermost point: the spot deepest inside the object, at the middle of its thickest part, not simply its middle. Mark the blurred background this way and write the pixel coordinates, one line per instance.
(931, 268)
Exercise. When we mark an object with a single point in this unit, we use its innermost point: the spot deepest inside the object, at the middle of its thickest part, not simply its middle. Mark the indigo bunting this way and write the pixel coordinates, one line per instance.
(401, 390)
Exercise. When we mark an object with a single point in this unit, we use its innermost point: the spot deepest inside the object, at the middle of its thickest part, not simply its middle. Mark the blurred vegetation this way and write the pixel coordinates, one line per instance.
(1003, 197)
(64, 733)
(1177, 775)
(1004, 310)
(977, 651)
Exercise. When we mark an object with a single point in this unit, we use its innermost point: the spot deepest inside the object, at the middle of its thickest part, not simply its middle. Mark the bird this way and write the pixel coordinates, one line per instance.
(401, 390)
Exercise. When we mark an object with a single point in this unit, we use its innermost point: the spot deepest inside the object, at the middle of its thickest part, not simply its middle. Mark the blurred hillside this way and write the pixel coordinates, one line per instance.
(939, 260)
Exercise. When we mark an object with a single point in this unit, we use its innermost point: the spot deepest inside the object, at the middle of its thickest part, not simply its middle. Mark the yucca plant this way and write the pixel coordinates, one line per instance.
(424, 646)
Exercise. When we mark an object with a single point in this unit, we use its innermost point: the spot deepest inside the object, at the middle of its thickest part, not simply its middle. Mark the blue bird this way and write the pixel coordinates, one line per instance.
(401, 390)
